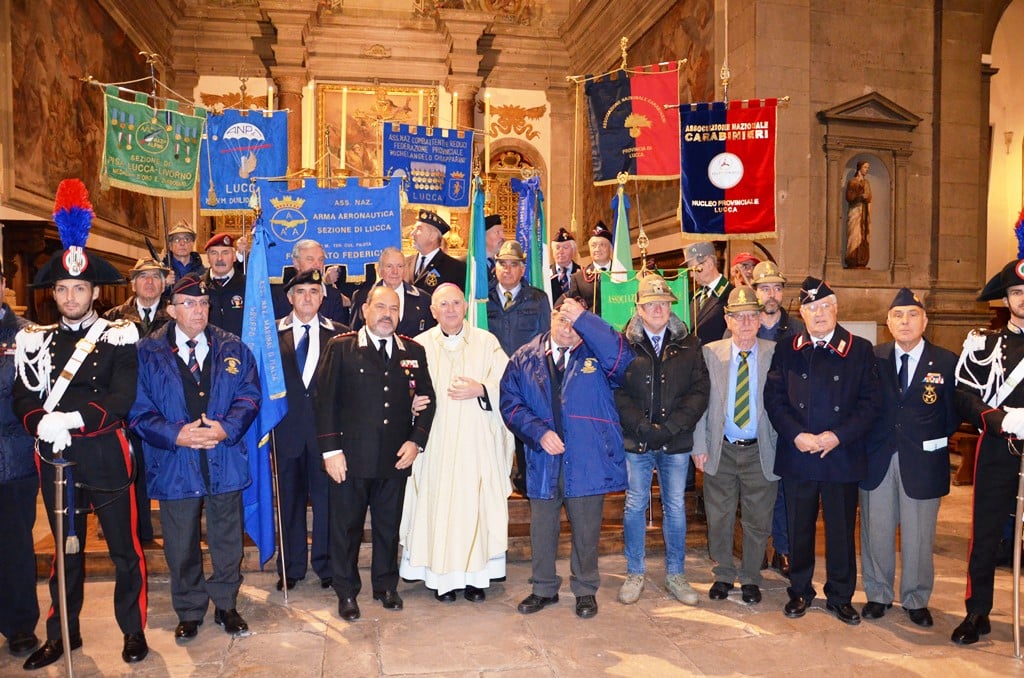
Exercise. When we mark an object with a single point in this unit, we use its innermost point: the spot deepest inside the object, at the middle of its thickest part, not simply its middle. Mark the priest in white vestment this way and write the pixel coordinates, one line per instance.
(454, 529)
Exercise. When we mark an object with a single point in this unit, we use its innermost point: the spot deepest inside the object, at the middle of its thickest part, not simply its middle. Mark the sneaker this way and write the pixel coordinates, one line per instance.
(631, 589)
(681, 589)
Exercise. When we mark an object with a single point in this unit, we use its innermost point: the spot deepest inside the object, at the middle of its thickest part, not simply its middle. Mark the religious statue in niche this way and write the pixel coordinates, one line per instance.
(858, 217)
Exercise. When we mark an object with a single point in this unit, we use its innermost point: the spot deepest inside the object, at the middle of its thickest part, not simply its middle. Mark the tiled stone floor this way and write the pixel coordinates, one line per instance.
(656, 637)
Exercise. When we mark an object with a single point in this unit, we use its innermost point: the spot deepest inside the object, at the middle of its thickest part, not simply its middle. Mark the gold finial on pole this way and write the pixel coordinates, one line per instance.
(623, 42)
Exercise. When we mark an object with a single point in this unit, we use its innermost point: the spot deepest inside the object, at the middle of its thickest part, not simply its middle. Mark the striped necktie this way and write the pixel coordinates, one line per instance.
(147, 319)
(741, 413)
(193, 364)
(508, 300)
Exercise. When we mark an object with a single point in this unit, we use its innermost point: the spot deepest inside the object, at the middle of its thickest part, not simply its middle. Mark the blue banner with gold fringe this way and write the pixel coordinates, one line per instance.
(435, 163)
(353, 223)
(240, 145)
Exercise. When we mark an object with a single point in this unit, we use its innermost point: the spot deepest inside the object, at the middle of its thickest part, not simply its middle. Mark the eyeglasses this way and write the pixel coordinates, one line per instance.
(189, 304)
(820, 306)
(745, 317)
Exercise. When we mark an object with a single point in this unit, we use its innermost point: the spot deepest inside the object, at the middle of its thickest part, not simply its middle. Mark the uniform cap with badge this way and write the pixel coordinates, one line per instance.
(766, 272)
(220, 240)
(601, 231)
(145, 265)
(906, 297)
(311, 277)
(182, 228)
(654, 288)
(563, 236)
(510, 251)
(812, 289)
(73, 215)
(433, 219)
(742, 298)
(698, 251)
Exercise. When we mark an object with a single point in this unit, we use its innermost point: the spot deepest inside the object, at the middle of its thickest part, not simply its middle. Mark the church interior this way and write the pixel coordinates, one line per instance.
(921, 89)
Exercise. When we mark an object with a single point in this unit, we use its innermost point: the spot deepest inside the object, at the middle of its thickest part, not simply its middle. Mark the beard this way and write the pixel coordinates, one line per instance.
(76, 316)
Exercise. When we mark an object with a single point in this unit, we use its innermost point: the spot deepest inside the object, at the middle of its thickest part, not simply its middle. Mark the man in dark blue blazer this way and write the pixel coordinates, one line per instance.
(822, 397)
(303, 335)
(431, 266)
(414, 304)
(908, 463)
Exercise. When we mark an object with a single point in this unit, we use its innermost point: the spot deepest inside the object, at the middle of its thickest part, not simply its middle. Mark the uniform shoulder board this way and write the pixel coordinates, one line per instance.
(31, 338)
(121, 333)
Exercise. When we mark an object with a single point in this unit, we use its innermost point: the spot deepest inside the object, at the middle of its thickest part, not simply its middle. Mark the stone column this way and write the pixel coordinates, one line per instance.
(290, 88)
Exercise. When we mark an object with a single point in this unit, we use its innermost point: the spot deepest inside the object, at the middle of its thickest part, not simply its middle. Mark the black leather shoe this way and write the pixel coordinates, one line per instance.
(446, 597)
(873, 610)
(844, 612)
(187, 630)
(796, 607)
(971, 628)
(21, 643)
(780, 562)
(327, 582)
(135, 647)
(586, 607)
(49, 652)
(719, 590)
(921, 616)
(474, 595)
(389, 599)
(348, 609)
(751, 594)
(231, 621)
(534, 603)
(281, 583)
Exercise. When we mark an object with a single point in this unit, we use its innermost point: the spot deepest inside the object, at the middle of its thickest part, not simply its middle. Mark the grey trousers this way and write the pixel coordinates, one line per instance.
(191, 591)
(585, 521)
(739, 482)
(881, 510)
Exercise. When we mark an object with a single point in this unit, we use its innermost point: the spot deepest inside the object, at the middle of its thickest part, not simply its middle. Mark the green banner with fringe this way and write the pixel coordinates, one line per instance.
(618, 299)
(150, 150)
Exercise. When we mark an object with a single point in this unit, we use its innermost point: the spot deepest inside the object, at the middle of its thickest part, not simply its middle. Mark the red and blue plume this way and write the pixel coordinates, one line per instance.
(73, 213)
(1018, 231)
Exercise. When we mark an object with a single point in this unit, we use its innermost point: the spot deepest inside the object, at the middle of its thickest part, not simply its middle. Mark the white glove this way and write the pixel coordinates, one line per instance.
(1013, 422)
(56, 425)
(61, 442)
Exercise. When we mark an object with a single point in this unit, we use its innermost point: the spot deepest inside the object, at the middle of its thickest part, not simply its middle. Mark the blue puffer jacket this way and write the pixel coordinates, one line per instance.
(594, 461)
(160, 411)
(17, 454)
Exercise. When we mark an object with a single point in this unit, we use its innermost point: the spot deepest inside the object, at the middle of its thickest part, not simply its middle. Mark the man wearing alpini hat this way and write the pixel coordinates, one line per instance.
(822, 396)
(734, 445)
(76, 387)
(663, 394)
(988, 375)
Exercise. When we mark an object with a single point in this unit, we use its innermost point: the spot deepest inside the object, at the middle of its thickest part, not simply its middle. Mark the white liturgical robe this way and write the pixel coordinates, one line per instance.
(455, 519)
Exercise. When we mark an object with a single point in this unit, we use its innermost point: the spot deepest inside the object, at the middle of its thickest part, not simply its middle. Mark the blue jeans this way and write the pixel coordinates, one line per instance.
(672, 481)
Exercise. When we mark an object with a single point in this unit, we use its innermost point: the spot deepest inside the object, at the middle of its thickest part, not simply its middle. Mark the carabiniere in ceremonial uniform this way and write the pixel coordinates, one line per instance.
(76, 384)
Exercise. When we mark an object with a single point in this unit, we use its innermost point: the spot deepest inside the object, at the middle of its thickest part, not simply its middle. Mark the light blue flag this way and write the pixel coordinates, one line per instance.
(259, 332)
